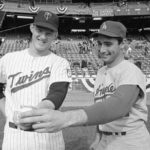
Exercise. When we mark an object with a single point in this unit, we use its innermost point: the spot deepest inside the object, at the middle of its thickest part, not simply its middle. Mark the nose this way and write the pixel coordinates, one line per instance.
(43, 35)
(103, 49)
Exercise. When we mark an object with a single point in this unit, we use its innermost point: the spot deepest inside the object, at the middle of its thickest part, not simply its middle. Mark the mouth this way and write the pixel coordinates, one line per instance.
(41, 42)
(105, 55)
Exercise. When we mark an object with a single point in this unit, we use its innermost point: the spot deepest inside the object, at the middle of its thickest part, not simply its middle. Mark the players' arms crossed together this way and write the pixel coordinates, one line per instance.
(116, 106)
(54, 99)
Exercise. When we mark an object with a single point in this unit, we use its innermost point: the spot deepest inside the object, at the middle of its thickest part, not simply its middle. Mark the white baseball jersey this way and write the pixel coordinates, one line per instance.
(27, 81)
(107, 81)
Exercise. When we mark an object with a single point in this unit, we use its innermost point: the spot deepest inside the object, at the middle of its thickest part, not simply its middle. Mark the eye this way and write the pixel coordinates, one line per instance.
(49, 34)
(38, 30)
(99, 43)
(108, 44)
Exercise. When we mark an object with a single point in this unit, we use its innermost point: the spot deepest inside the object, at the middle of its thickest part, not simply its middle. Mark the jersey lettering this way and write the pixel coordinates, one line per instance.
(21, 82)
(103, 92)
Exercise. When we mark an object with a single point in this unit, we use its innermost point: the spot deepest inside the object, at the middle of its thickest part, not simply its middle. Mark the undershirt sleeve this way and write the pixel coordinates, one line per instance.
(57, 93)
(121, 101)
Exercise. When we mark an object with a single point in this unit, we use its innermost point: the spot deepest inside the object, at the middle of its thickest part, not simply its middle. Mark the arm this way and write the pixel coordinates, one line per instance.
(56, 95)
(54, 99)
(99, 113)
(2, 106)
(59, 83)
(2, 99)
(116, 106)
(96, 141)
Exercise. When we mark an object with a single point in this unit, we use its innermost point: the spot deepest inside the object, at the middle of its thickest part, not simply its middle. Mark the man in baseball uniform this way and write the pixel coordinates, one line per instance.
(120, 110)
(34, 78)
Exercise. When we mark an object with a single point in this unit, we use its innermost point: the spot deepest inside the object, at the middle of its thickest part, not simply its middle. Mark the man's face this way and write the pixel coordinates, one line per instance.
(42, 38)
(110, 50)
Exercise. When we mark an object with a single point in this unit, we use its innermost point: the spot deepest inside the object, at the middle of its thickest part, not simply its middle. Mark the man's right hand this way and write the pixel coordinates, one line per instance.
(95, 142)
(17, 115)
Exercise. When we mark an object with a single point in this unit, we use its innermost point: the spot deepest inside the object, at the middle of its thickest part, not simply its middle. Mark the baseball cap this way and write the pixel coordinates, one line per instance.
(112, 29)
(47, 19)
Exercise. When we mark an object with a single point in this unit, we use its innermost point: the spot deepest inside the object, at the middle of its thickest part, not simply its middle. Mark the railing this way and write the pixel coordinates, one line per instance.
(76, 1)
(72, 1)
(40, 1)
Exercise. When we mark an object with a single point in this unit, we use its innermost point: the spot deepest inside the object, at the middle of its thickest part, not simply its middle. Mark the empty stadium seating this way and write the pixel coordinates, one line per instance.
(69, 49)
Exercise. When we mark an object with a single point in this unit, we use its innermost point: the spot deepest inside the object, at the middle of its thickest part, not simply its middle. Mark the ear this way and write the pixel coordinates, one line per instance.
(121, 45)
(31, 27)
(56, 35)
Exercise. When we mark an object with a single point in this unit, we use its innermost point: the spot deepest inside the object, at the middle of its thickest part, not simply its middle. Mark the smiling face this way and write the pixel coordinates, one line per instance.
(110, 50)
(41, 39)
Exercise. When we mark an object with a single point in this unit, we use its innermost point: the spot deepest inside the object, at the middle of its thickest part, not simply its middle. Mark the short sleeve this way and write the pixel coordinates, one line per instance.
(133, 76)
(60, 71)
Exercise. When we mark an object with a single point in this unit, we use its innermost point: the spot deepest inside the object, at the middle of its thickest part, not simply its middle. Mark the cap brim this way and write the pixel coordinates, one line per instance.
(109, 34)
(46, 25)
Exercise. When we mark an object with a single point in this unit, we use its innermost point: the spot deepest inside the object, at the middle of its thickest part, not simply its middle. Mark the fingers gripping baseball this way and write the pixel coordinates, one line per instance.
(44, 120)
(33, 116)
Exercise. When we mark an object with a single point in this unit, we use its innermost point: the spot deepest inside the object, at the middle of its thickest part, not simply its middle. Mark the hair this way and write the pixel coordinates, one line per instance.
(119, 39)
(138, 64)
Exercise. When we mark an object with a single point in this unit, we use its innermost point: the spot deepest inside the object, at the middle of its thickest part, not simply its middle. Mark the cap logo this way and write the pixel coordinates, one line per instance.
(104, 27)
(47, 15)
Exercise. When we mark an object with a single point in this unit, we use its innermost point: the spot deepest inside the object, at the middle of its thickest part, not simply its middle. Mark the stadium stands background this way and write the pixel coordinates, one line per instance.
(78, 19)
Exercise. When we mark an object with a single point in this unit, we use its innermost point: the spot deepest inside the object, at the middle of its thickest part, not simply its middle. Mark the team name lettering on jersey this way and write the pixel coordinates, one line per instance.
(102, 92)
(19, 82)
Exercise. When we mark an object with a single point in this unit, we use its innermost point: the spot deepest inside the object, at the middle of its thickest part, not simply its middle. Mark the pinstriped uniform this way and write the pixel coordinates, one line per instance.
(28, 79)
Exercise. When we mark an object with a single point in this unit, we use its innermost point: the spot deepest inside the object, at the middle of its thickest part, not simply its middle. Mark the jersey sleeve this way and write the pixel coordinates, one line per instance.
(133, 76)
(60, 71)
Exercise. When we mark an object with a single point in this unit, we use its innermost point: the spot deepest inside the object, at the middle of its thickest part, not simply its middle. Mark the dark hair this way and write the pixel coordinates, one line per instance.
(119, 39)
(138, 64)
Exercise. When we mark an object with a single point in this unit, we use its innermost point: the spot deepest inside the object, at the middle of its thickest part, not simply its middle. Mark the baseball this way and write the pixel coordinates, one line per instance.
(17, 113)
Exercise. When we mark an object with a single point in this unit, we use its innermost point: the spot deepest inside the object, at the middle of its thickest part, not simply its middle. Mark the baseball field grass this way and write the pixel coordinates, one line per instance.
(76, 138)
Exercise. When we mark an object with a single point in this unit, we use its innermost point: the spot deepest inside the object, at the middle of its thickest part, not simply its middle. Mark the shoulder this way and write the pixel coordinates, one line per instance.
(8, 58)
(129, 66)
(102, 70)
(15, 53)
(130, 71)
(58, 59)
(127, 71)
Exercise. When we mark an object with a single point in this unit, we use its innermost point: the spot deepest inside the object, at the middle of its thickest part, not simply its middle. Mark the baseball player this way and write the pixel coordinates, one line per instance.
(34, 78)
(120, 110)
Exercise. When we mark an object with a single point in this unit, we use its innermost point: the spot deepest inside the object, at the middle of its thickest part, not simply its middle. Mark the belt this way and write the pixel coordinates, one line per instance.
(112, 133)
(14, 126)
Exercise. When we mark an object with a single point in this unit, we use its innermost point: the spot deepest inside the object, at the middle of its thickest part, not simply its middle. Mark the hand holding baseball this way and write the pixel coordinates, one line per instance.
(17, 115)
(44, 120)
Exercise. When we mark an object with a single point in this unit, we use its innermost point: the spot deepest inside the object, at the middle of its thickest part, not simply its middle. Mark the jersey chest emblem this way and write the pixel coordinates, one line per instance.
(102, 91)
(19, 81)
